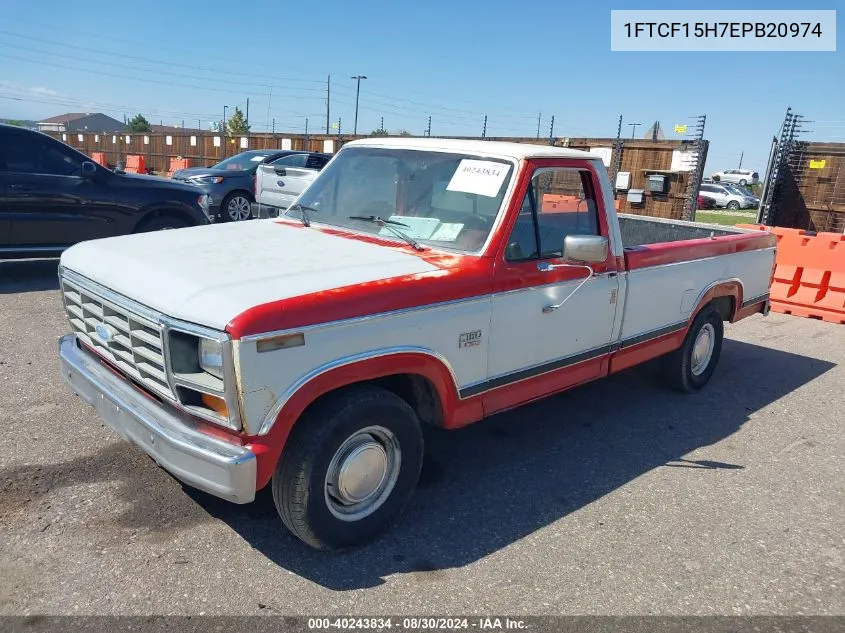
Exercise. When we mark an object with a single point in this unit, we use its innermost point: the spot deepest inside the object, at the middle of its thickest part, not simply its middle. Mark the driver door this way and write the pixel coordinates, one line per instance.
(550, 328)
(47, 201)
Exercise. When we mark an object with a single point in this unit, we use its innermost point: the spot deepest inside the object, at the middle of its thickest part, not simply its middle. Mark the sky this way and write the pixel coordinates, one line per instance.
(456, 62)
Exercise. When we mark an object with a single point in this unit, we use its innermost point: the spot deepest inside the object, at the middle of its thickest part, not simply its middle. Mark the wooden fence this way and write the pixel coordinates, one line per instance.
(810, 194)
(640, 158)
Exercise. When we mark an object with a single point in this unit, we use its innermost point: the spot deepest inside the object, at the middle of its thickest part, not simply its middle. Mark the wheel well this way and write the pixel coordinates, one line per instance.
(165, 213)
(725, 307)
(418, 391)
(245, 192)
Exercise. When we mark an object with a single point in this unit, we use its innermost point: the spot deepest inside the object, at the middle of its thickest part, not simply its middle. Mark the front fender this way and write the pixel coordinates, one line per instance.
(289, 407)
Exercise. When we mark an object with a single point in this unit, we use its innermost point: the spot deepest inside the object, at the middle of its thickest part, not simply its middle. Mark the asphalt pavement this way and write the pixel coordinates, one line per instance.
(616, 498)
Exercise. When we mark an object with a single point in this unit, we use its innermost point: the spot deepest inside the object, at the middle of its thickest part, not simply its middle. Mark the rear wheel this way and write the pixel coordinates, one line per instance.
(691, 366)
(161, 223)
(236, 207)
(349, 467)
(743, 182)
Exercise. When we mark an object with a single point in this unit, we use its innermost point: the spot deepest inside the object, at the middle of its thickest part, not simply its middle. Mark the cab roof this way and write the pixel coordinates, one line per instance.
(502, 149)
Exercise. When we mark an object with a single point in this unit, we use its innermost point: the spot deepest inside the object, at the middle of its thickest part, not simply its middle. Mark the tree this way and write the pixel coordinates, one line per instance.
(139, 124)
(380, 132)
(403, 133)
(237, 123)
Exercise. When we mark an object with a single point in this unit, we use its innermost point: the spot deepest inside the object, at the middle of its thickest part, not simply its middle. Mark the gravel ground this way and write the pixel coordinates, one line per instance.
(617, 498)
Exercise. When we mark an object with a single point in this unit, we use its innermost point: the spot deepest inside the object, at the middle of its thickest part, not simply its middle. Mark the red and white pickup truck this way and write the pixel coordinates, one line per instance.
(416, 281)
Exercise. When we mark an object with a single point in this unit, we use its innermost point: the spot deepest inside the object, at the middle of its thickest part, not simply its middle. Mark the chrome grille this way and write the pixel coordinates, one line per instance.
(135, 346)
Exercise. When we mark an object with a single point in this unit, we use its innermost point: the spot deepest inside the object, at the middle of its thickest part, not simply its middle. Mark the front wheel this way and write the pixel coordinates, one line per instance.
(691, 366)
(743, 182)
(349, 467)
(733, 205)
(236, 207)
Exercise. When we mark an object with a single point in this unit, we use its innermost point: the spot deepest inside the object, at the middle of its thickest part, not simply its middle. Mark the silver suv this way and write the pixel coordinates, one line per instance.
(729, 197)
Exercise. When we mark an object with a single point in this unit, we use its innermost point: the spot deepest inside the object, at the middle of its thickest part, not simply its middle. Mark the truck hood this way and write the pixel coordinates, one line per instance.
(210, 274)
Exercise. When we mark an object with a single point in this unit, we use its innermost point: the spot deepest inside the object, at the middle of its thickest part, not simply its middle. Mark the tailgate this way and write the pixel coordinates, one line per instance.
(279, 186)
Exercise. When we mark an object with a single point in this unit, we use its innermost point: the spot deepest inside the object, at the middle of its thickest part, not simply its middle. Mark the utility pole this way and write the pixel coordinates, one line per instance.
(274, 125)
(328, 100)
(306, 143)
(357, 78)
(338, 126)
(428, 129)
(484, 129)
(539, 119)
(634, 128)
(742, 154)
(552, 131)
(381, 127)
(269, 99)
(247, 115)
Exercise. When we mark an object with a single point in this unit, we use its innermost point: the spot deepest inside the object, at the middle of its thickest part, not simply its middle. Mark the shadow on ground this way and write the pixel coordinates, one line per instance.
(28, 275)
(484, 487)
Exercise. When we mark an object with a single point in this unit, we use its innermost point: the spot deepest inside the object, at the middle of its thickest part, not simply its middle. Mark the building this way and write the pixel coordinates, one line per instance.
(81, 122)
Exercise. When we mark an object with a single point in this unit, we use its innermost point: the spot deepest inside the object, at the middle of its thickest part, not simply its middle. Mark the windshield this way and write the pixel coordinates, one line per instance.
(244, 160)
(441, 199)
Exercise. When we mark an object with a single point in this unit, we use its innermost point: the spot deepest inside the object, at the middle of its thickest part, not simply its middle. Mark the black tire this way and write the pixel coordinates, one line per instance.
(245, 211)
(716, 178)
(161, 223)
(300, 489)
(733, 205)
(743, 182)
(678, 368)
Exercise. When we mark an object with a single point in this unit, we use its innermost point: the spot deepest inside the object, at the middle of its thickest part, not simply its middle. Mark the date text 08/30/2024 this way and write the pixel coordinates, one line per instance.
(416, 623)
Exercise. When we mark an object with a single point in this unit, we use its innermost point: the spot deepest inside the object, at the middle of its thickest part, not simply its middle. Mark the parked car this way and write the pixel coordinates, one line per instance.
(52, 196)
(416, 281)
(726, 196)
(739, 176)
(279, 183)
(230, 184)
(706, 203)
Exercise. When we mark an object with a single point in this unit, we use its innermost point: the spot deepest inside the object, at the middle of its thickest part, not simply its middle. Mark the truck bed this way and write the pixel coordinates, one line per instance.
(654, 241)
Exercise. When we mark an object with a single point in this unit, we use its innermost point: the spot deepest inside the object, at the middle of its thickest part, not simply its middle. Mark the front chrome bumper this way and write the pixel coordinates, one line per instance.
(171, 438)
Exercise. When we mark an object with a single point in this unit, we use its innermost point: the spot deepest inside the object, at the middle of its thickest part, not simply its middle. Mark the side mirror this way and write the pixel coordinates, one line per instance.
(591, 249)
(280, 171)
(89, 169)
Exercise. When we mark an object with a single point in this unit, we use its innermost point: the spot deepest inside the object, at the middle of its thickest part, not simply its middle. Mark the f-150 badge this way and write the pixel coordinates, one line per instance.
(470, 339)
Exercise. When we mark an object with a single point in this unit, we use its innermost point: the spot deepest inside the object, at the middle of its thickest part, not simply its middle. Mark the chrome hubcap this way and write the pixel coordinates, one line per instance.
(362, 473)
(702, 349)
(238, 208)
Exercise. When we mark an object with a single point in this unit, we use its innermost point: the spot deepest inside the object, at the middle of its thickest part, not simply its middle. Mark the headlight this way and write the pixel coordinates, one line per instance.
(200, 368)
(208, 180)
(211, 356)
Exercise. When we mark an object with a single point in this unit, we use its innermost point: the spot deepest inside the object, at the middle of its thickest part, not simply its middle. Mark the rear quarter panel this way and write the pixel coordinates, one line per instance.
(668, 281)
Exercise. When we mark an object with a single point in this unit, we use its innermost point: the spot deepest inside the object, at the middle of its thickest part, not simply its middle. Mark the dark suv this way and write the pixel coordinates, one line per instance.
(52, 196)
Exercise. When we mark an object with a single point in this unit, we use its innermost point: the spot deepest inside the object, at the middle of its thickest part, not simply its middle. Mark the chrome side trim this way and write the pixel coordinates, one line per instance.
(700, 259)
(366, 317)
(276, 409)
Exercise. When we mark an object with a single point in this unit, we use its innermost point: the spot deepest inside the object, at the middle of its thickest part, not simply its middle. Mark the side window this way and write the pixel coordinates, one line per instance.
(293, 160)
(27, 154)
(315, 162)
(559, 202)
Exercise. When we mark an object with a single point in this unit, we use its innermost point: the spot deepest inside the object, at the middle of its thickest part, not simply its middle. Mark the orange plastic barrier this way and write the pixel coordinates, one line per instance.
(557, 203)
(178, 163)
(135, 165)
(809, 279)
(99, 157)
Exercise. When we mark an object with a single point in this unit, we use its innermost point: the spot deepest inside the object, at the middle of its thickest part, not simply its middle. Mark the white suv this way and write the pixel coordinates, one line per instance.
(739, 176)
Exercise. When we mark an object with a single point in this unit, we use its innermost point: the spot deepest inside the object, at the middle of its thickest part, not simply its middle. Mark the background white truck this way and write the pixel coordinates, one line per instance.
(416, 281)
(277, 185)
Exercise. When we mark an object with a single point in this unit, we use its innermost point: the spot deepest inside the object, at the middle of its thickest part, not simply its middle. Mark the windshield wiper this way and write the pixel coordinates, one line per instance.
(302, 209)
(390, 226)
